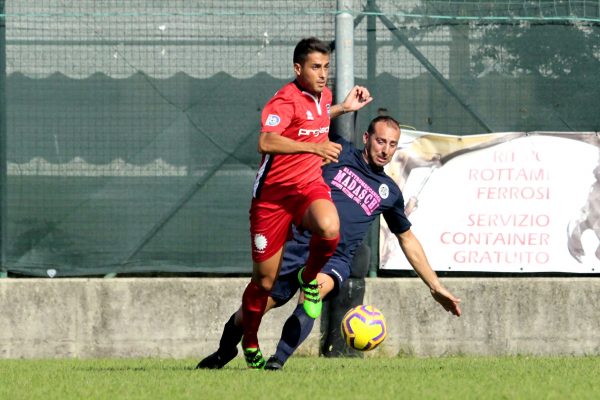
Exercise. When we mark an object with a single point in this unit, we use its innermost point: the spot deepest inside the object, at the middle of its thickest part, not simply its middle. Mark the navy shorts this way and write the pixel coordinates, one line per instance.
(287, 284)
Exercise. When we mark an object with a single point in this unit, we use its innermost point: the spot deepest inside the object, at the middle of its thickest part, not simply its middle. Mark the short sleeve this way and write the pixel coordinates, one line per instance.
(395, 217)
(277, 114)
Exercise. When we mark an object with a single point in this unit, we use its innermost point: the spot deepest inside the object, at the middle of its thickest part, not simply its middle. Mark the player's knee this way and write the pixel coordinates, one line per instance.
(332, 232)
(329, 227)
(265, 283)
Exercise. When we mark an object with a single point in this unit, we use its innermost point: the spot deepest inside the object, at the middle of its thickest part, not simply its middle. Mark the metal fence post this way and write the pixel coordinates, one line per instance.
(3, 134)
(344, 65)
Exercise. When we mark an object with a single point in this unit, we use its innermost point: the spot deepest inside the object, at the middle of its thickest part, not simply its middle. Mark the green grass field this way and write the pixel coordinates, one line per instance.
(306, 378)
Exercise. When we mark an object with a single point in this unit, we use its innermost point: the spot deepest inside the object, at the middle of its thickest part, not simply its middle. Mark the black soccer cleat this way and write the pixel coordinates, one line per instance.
(274, 364)
(217, 360)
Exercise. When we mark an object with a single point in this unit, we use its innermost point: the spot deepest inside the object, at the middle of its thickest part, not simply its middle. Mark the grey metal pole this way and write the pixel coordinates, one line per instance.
(371, 45)
(344, 64)
(3, 154)
(373, 238)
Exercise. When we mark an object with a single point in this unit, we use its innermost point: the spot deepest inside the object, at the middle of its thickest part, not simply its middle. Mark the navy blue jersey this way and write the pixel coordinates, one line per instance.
(361, 193)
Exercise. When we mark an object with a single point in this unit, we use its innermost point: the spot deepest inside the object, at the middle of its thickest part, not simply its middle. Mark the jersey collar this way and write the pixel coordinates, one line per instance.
(303, 90)
(317, 99)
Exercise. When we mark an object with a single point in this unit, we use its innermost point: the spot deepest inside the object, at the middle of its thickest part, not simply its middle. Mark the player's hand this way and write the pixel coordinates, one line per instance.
(358, 97)
(329, 151)
(447, 300)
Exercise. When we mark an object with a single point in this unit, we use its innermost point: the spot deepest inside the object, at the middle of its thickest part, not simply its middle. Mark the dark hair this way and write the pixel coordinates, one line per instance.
(307, 46)
(382, 118)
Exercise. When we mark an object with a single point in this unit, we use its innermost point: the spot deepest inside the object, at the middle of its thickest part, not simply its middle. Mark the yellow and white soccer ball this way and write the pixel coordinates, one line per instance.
(363, 327)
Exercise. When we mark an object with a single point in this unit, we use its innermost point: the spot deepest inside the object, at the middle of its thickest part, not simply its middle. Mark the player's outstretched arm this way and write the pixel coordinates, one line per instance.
(415, 255)
(274, 143)
(357, 98)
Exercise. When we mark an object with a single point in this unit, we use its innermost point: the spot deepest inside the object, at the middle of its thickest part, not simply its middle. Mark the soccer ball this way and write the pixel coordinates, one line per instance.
(363, 327)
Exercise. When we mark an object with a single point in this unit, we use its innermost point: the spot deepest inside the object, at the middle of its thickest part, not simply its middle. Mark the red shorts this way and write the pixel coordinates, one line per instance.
(271, 216)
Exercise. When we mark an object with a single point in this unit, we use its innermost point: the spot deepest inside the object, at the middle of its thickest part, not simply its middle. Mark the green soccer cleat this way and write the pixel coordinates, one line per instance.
(254, 358)
(312, 299)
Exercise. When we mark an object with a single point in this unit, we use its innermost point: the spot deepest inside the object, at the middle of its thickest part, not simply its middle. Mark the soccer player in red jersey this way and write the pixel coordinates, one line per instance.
(289, 188)
(361, 191)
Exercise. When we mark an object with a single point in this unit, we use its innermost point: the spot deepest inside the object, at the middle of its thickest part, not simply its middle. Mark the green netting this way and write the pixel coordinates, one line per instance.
(129, 127)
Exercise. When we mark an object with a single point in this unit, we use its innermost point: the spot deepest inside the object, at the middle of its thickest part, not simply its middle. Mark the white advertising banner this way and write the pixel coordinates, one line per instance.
(502, 202)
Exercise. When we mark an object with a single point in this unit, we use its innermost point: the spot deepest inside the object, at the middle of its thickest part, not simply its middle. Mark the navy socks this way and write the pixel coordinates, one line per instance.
(295, 330)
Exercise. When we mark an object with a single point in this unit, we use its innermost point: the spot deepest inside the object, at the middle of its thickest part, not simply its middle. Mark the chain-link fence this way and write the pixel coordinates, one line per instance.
(129, 128)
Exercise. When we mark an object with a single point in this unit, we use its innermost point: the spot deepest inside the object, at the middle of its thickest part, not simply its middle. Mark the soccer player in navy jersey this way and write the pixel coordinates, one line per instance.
(361, 191)
(289, 188)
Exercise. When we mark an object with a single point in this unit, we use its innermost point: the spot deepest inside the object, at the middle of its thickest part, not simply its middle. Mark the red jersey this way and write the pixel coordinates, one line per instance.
(301, 116)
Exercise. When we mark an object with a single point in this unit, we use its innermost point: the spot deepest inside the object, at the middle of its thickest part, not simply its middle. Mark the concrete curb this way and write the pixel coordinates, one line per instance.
(183, 317)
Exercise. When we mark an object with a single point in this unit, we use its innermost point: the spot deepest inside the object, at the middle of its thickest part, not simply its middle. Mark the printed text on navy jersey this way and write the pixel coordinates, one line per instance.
(356, 189)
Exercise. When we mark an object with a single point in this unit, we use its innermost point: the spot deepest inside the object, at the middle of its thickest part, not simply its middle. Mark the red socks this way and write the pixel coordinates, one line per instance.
(254, 299)
(320, 250)
(254, 302)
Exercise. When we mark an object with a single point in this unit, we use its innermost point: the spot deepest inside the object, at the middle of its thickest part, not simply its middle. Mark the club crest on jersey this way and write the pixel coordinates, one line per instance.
(328, 108)
(272, 120)
(309, 116)
(260, 242)
(384, 191)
